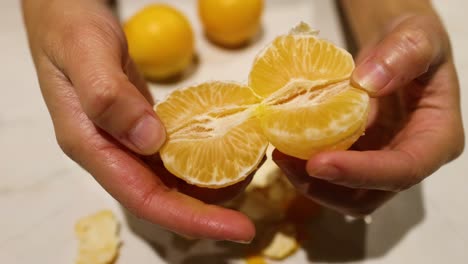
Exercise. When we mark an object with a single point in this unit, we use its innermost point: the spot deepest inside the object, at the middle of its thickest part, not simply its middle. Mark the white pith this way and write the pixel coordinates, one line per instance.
(210, 126)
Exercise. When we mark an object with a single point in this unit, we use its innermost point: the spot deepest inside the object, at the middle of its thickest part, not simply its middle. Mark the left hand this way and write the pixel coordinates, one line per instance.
(414, 127)
(103, 119)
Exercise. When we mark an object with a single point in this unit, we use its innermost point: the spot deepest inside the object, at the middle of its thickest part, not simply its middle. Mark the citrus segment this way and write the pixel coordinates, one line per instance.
(299, 56)
(217, 98)
(313, 120)
(308, 104)
(214, 139)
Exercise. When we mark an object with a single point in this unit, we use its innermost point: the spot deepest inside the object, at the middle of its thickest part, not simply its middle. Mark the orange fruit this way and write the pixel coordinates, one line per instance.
(230, 22)
(160, 41)
(214, 139)
(308, 103)
(299, 99)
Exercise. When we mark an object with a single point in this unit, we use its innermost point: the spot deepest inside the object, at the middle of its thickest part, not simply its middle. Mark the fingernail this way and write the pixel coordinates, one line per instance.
(148, 135)
(245, 242)
(371, 76)
(324, 172)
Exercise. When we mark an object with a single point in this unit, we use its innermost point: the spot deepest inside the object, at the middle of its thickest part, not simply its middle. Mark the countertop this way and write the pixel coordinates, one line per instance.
(43, 193)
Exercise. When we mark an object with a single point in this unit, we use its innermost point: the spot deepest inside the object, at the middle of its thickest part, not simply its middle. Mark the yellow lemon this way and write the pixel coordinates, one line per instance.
(230, 22)
(160, 40)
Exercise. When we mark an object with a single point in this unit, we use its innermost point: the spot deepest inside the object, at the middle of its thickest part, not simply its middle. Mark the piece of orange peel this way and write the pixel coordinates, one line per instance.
(98, 238)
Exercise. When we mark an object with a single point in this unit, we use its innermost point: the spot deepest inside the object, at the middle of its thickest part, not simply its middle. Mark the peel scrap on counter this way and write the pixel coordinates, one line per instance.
(98, 238)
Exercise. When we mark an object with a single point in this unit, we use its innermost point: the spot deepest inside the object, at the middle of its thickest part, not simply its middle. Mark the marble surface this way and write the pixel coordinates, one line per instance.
(43, 193)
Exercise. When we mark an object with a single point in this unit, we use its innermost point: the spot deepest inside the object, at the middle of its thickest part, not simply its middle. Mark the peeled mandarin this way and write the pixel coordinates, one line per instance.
(299, 99)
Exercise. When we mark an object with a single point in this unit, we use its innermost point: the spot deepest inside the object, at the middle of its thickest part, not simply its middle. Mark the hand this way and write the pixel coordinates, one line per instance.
(103, 117)
(414, 126)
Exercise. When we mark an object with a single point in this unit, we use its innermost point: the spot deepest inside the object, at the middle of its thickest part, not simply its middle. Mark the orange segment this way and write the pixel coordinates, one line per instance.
(185, 105)
(299, 56)
(214, 139)
(330, 118)
(309, 105)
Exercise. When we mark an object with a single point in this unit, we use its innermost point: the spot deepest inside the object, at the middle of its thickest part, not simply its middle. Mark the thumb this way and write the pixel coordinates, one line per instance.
(94, 61)
(406, 53)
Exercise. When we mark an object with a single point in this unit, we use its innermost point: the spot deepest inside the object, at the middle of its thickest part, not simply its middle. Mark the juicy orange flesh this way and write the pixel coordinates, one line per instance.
(298, 58)
(309, 105)
(183, 105)
(214, 138)
(226, 159)
(316, 120)
(299, 99)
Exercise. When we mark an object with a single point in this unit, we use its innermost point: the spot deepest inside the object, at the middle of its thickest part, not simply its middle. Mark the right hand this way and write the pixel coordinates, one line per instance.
(414, 124)
(103, 117)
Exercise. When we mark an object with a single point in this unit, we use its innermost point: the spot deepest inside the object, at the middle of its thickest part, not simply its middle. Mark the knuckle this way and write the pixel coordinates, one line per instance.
(76, 37)
(413, 176)
(103, 95)
(140, 207)
(417, 44)
(68, 145)
(405, 185)
(459, 144)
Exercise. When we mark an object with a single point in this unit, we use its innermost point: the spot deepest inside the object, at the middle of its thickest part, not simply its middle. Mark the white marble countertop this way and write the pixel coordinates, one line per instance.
(43, 193)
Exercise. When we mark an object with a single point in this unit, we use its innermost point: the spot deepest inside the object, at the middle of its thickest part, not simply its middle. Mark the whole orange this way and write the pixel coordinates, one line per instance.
(230, 22)
(160, 40)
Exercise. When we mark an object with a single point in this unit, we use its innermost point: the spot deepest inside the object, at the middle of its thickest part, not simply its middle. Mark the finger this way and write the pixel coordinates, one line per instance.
(94, 62)
(355, 202)
(395, 169)
(406, 53)
(130, 181)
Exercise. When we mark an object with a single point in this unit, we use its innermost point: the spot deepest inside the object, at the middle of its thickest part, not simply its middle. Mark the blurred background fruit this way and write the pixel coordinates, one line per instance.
(160, 40)
(230, 23)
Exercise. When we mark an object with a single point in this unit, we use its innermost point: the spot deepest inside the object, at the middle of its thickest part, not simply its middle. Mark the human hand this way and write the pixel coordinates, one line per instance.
(103, 118)
(414, 125)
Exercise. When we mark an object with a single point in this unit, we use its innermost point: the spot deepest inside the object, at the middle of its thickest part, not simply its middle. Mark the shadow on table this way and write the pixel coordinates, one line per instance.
(178, 250)
(336, 240)
(333, 239)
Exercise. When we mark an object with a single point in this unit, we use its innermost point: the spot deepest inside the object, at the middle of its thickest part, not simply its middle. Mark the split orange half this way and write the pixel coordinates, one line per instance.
(214, 138)
(308, 104)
